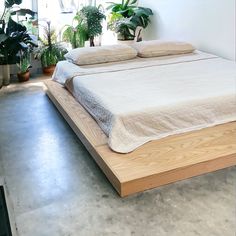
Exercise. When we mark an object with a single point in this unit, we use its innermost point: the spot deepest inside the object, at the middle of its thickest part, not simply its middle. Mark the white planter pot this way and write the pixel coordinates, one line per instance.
(87, 44)
(6, 74)
(1, 76)
(126, 42)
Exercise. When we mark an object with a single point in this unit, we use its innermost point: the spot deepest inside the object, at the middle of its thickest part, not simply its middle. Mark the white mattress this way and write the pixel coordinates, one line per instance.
(147, 99)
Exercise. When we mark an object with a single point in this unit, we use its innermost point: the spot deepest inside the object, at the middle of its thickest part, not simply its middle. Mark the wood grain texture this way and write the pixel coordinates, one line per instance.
(80, 117)
(156, 163)
(174, 152)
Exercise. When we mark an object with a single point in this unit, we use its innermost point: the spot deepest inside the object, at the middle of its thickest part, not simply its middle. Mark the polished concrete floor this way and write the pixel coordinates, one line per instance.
(56, 189)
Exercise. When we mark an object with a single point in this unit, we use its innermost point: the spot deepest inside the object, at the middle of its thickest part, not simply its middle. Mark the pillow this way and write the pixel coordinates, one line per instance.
(103, 54)
(157, 48)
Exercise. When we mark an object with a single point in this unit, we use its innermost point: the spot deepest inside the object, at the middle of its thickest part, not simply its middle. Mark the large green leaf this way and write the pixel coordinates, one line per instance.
(117, 8)
(92, 17)
(12, 27)
(133, 2)
(112, 4)
(140, 11)
(10, 3)
(23, 12)
(135, 16)
(3, 38)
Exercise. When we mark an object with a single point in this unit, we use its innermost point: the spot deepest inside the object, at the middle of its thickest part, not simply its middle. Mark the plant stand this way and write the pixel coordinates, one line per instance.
(6, 74)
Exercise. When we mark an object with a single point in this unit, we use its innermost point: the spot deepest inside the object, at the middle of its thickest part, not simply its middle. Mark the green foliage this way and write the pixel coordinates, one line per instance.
(87, 24)
(76, 34)
(126, 16)
(125, 8)
(23, 12)
(24, 63)
(113, 19)
(10, 3)
(50, 51)
(125, 29)
(13, 36)
(51, 55)
(92, 17)
(13, 41)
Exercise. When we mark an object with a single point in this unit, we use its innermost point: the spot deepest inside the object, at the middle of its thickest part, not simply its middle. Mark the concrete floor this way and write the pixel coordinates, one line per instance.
(56, 189)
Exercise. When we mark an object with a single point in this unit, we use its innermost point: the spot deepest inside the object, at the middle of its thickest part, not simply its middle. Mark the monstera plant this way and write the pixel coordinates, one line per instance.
(13, 38)
(125, 17)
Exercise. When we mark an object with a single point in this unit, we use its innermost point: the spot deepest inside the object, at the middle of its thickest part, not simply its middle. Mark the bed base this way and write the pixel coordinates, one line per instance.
(156, 163)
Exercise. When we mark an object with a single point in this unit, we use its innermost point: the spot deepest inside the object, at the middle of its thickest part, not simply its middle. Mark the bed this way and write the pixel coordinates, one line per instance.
(148, 121)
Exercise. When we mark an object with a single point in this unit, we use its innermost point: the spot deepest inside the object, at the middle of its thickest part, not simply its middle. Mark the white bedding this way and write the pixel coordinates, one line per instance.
(147, 99)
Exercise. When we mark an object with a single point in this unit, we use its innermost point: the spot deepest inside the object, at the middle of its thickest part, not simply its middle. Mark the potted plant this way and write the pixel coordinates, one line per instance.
(24, 65)
(93, 17)
(76, 33)
(50, 52)
(86, 25)
(13, 38)
(127, 19)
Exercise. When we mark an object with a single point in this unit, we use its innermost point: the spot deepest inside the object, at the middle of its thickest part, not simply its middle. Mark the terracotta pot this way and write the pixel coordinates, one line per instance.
(23, 77)
(49, 70)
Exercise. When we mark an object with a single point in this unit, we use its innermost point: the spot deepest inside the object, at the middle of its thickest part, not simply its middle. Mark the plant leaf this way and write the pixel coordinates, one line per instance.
(3, 38)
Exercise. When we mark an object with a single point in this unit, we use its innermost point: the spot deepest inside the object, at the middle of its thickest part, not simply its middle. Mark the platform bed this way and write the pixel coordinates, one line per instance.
(156, 163)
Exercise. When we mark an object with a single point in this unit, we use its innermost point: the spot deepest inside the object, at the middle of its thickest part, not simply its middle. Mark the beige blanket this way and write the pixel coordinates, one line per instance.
(158, 98)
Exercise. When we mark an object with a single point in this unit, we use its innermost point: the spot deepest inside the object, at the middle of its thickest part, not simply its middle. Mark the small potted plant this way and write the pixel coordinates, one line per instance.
(24, 66)
(50, 52)
(127, 19)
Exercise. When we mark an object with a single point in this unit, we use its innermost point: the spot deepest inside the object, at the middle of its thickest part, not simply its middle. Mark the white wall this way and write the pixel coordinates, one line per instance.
(209, 24)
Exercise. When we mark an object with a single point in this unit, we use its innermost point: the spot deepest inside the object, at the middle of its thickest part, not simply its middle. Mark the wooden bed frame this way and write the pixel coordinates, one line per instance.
(156, 163)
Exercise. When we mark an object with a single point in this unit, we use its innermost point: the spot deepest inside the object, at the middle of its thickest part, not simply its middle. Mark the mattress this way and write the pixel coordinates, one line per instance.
(141, 100)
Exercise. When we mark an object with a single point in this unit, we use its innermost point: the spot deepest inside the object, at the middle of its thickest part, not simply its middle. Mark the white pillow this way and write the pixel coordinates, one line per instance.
(157, 48)
(103, 54)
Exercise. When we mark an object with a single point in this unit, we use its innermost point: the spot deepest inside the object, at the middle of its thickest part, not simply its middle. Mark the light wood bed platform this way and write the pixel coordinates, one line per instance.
(155, 163)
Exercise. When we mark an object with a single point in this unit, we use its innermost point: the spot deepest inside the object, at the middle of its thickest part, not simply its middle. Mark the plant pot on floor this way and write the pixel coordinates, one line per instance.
(6, 74)
(49, 70)
(1, 76)
(122, 39)
(23, 76)
(1, 81)
(126, 42)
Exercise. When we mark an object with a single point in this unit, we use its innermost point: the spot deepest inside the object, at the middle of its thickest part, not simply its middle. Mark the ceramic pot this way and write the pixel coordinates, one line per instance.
(1, 82)
(126, 42)
(49, 70)
(6, 74)
(1, 76)
(23, 76)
